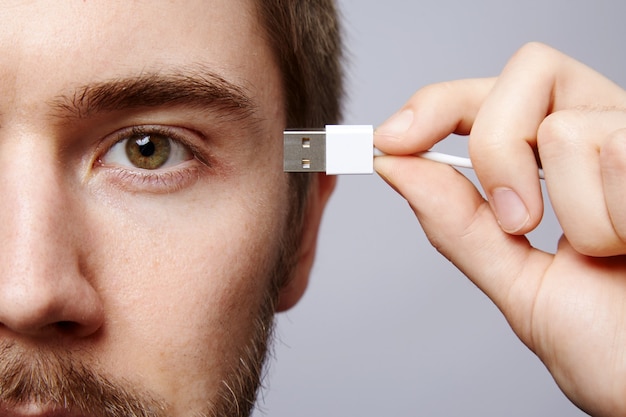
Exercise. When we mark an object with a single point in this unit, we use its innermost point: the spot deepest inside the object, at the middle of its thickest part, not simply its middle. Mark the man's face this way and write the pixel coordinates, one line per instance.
(142, 202)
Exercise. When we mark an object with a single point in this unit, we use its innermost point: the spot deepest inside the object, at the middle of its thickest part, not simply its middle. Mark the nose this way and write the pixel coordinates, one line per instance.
(45, 287)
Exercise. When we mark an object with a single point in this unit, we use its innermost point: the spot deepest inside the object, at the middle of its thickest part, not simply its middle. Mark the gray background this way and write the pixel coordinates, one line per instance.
(388, 327)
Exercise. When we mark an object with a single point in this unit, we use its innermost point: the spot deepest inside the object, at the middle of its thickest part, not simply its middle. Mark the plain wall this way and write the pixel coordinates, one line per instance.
(388, 327)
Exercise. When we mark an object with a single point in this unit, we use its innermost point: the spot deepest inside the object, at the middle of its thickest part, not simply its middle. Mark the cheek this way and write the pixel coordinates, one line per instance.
(182, 278)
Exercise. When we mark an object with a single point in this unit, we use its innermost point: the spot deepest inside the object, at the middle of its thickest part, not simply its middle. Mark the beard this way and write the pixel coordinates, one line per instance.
(43, 379)
(55, 381)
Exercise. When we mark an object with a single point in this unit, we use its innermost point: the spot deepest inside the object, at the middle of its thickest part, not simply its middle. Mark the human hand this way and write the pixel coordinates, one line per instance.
(569, 307)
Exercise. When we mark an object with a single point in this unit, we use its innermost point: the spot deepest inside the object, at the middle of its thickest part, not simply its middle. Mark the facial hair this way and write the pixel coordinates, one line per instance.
(56, 380)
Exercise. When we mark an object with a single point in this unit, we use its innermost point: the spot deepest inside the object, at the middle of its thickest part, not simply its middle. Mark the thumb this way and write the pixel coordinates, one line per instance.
(461, 226)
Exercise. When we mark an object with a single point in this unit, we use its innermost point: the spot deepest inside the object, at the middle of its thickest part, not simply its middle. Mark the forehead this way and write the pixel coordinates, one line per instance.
(46, 45)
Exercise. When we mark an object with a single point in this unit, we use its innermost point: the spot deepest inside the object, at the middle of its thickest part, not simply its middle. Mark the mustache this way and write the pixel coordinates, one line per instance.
(55, 380)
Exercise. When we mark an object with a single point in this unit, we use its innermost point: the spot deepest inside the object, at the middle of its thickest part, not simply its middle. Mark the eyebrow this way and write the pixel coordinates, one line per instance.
(199, 88)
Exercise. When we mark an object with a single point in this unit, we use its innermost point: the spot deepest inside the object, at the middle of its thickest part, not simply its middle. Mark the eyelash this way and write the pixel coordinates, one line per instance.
(159, 180)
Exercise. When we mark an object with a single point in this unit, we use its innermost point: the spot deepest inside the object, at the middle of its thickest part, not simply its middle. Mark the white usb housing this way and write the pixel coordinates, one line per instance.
(349, 149)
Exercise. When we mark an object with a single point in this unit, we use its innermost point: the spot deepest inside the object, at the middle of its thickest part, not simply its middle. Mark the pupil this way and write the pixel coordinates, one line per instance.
(146, 148)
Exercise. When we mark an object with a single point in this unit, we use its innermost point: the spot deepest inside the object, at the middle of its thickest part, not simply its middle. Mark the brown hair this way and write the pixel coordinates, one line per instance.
(306, 40)
(305, 36)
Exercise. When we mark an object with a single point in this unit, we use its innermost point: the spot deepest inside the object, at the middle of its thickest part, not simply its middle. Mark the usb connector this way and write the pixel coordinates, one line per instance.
(339, 149)
(305, 151)
(345, 149)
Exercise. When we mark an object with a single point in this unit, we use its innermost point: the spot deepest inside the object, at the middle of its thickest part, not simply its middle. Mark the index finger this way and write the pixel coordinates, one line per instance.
(432, 114)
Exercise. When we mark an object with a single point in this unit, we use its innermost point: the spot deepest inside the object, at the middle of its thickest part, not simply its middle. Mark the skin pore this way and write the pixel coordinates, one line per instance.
(141, 291)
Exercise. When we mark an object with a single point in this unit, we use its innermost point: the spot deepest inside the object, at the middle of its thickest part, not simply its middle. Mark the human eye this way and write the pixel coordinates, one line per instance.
(151, 158)
(147, 149)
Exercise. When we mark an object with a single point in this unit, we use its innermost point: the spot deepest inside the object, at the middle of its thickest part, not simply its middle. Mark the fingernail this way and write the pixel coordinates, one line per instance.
(510, 210)
(396, 126)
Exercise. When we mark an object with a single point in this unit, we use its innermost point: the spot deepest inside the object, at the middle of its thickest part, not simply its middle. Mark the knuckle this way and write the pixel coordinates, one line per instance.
(560, 130)
(613, 152)
(436, 91)
(534, 51)
(588, 246)
(599, 245)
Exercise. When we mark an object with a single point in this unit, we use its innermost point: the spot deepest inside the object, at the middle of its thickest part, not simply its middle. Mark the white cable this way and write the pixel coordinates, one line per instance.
(457, 161)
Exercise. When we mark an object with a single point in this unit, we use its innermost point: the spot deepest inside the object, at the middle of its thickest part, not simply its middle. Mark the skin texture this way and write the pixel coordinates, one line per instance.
(154, 280)
(567, 307)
